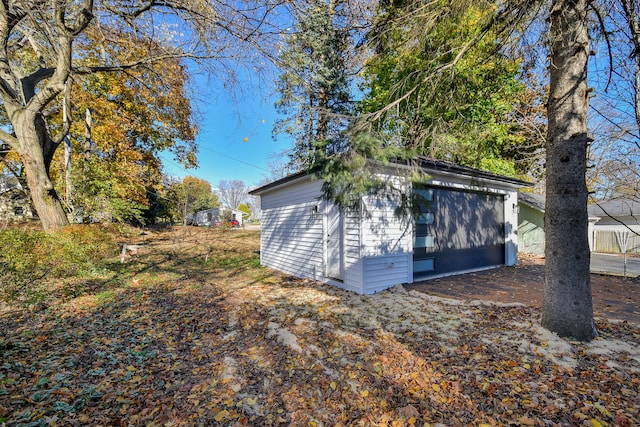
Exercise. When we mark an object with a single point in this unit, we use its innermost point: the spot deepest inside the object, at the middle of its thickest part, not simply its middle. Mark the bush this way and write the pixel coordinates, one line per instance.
(30, 261)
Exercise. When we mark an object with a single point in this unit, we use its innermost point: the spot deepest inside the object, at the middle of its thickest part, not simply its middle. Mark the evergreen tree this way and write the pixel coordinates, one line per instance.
(314, 84)
(437, 84)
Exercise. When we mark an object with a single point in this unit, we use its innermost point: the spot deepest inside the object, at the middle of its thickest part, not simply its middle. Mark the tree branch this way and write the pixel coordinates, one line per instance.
(603, 28)
(58, 76)
(8, 138)
(8, 80)
(30, 82)
(88, 69)
(82, 20)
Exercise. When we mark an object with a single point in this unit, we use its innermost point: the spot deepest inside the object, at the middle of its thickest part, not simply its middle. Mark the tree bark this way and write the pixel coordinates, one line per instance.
(36, 151)
(567, 306)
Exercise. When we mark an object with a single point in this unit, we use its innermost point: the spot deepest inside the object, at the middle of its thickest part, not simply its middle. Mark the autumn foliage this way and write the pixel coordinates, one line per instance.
(190, 330)
(135, 115)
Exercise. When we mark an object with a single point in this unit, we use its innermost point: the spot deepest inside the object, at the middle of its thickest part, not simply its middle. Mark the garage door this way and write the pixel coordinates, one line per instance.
(457, 231)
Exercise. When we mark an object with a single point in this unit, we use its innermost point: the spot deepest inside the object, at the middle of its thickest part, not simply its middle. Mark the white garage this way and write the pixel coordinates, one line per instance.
(466, 221)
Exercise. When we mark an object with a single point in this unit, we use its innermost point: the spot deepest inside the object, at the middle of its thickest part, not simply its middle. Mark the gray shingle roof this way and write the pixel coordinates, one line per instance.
(533, 200)
(616, 207)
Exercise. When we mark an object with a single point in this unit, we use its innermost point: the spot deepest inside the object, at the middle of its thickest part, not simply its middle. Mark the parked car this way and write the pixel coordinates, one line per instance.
(231, 223)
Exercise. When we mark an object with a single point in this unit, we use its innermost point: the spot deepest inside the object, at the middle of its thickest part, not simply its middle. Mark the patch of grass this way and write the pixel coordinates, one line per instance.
(253, 263)
(104, 297)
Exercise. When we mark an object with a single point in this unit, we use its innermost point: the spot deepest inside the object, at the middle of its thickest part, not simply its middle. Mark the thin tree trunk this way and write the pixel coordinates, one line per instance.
(88, 123)
(68, 151)
(567, 306)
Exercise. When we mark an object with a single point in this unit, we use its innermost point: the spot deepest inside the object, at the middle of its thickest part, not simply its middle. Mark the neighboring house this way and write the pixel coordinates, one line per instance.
(618, 226)
(469, 223)
(531, 223)
(531, 237)
(14, 204)
(209, 217)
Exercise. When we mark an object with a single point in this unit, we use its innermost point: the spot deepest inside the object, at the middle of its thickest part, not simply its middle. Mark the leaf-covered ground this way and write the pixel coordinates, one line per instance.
(191, 331)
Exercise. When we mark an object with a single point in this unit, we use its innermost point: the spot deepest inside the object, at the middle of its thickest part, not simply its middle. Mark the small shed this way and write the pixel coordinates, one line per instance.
(468, 223)
(208, 217)
(618, 225)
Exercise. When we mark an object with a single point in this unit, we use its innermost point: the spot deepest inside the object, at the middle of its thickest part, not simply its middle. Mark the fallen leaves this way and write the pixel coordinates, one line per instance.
(186, 342)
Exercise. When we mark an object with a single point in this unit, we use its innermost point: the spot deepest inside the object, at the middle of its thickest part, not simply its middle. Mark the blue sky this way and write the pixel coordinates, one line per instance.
(235, 135)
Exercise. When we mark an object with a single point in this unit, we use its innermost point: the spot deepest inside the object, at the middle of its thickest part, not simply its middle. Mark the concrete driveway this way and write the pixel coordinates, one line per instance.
(614, 264)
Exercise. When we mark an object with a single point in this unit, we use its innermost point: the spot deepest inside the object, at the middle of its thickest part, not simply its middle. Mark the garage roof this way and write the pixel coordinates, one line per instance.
(425, 164)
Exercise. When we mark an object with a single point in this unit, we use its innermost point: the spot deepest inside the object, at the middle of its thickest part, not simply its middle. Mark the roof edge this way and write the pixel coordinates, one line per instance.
(444, 166)
(289, 178)
(423, 163)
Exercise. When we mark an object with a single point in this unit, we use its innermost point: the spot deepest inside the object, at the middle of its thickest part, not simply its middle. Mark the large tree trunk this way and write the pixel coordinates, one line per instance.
(36, 151)
(567, 306)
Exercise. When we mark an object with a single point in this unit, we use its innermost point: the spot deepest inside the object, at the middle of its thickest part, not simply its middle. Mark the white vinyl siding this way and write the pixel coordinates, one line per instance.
(383, 272)
(352, 253)
(387, 243)
(292, 234)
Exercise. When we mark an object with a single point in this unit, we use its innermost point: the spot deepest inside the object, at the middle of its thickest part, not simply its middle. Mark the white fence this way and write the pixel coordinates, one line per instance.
(609, 241)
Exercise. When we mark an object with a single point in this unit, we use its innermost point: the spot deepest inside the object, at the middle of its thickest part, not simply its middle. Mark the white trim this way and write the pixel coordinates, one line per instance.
(427, 278)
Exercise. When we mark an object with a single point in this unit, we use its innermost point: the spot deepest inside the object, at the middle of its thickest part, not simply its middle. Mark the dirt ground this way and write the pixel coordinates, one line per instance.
(613, 297)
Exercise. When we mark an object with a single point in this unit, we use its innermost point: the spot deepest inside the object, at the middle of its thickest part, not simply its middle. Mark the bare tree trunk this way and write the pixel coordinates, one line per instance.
(68, 151)
(567, 306)
(36, 152)
(88, 123)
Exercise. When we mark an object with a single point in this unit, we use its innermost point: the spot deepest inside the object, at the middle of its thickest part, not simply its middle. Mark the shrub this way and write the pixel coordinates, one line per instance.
(30, 261)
